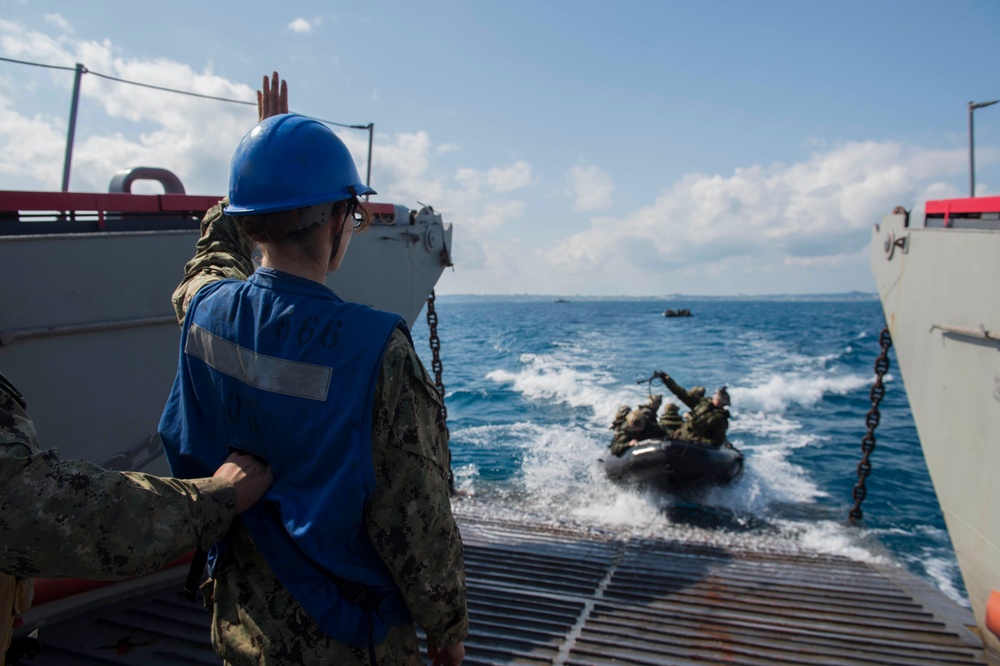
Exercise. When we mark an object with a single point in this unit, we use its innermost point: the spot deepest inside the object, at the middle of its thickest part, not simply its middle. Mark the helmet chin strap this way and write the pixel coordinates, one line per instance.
(339, 236)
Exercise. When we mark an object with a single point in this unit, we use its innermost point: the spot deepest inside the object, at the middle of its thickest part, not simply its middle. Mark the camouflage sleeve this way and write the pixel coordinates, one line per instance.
(409, 518)
(718, 426)
(222, 252)
(679, 391)
(619, 444)
(73, 518)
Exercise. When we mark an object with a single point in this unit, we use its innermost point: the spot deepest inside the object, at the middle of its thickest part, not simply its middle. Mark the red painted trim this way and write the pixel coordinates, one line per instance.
(182, 203)
(85, 202)
(382, 208)
(949, 207)
(53, 589)
(102, 203)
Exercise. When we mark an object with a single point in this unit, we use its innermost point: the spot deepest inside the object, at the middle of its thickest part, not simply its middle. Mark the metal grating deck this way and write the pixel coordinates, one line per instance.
(550, 596)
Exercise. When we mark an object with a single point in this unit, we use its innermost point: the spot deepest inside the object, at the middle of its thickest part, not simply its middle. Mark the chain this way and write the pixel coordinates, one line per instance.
(435, 342)
(871, 420)
(432, 324)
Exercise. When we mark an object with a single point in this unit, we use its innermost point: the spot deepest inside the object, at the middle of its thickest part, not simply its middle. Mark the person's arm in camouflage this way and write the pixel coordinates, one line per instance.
(621, 443)
(73, 518)
(677, 390)
(409, 518)
(222, 253)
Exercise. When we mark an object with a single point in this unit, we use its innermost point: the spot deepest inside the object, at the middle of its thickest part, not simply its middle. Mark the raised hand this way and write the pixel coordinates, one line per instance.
(272, 99)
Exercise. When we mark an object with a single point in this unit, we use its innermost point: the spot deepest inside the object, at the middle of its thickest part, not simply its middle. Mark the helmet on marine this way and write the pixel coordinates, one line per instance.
(636, 420)
(290, 161)
(723, 396)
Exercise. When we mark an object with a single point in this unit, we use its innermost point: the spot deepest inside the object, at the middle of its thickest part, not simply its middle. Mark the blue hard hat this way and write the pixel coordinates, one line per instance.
(290, 161)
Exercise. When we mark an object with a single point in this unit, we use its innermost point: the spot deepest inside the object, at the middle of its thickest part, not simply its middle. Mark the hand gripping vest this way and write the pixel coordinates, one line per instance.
(281, 367)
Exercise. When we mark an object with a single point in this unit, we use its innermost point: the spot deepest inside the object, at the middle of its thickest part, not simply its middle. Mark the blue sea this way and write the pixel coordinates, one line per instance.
(531, 386)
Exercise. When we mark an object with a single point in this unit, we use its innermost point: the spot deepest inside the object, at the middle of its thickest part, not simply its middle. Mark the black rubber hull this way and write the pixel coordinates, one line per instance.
(670, 464)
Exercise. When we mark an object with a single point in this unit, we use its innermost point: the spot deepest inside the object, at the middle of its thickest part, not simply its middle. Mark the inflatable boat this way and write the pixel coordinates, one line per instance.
(668, 464)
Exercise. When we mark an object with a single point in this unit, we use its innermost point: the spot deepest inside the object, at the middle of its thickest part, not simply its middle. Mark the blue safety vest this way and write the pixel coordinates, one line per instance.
(281, 367)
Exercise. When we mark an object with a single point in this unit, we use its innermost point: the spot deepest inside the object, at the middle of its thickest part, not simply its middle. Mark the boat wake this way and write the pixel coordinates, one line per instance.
(529, 431)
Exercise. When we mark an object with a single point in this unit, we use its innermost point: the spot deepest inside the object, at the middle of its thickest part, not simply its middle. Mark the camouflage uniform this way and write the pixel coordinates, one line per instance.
(670, 419)
(639, 424)
(705, 423)
(73, 518)
(409, 520)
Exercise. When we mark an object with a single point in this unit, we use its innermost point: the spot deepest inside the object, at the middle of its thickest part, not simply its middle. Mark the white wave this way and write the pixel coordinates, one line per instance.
(553, 378)
(562, 478)
(561, 475)
(769, 477)
(937, 563)
(562, 481)
(831, 537)
(778, 391)
(630, 515)
(465, 478)
(764, 424)
(488, 436)
(944, 571)
(571, 378)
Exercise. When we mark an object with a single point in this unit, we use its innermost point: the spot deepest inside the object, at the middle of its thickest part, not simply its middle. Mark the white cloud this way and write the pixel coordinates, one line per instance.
(58, 22)
(17, 43)
(813, 214)
(508, 179)
(590, 187)
(494, 214)
(192, 137)
(300, 25)
(31, 149)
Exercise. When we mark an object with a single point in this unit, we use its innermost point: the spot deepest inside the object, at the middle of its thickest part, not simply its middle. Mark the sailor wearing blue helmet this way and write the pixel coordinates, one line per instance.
(355, 543)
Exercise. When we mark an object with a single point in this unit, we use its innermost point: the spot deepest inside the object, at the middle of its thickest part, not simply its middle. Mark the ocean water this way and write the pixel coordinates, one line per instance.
(531, 386)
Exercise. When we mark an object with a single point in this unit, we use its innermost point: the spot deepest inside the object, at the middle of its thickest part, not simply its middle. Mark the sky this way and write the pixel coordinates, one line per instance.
(638, 148)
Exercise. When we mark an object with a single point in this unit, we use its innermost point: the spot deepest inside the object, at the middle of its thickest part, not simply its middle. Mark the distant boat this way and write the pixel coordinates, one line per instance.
(561, 300)
(677, 313)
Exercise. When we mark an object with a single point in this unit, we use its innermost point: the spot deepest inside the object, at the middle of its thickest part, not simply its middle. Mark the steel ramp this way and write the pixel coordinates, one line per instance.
(544, 595)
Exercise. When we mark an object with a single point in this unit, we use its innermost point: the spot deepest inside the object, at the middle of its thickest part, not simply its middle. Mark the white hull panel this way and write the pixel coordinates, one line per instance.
(88, 334)
(940, 290)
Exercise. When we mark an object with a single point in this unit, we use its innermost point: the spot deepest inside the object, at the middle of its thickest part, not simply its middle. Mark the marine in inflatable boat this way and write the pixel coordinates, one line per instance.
(674, 450)
(669, 464)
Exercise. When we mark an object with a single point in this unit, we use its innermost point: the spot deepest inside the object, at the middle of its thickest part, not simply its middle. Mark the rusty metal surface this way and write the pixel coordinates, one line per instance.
(551, 596)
